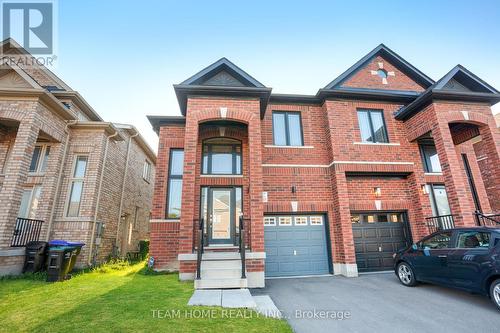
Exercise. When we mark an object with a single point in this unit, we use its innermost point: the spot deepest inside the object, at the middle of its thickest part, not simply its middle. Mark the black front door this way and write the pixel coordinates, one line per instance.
(221, 215)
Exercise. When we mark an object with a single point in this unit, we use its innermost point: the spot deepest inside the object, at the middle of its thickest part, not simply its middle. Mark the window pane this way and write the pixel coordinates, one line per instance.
(382, 218)
(473, 239)
(80, 167)
(177, 163)
(222, 159)
(440, 241)
(294, 129)
(25, 203)
(35, 199)
(379, 127)
(441, 201)
(364, 126)
(205, 163)
(35, 159)
(279, 131)
(431, 159)
(75, 198)
(238, 164)
(45, 160)
(174, 198)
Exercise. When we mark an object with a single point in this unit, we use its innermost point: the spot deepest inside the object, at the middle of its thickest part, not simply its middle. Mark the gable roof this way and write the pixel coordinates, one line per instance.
(222, 78)
(223, 65)
(392, 57)
(458, 84)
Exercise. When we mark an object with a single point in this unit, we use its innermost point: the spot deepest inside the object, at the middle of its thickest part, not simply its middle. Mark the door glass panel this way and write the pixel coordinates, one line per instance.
(25, 203)
(440, 206)
(35, 199)
(221, 214)
(238, 207)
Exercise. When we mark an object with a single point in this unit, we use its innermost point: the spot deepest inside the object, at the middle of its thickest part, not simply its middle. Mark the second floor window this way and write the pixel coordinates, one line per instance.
(174, 196)
(221, 156)
(146, 171)
(430, 158)
(76, 186)
(372, 126)
(40, 158)
(287, 129)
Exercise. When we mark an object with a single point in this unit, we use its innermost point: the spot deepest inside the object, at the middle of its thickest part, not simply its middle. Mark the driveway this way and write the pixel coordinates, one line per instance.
(378, 303)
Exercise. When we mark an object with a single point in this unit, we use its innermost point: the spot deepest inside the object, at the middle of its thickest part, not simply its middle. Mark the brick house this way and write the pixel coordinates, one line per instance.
(331, 183)
(64, 172)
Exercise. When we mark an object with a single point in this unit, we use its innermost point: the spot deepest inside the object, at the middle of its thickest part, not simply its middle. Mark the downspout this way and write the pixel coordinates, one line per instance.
(103, 170)
(59, 179)
(123, 188)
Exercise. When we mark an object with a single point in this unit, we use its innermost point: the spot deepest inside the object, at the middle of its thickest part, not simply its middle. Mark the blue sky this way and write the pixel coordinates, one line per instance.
(123, 56)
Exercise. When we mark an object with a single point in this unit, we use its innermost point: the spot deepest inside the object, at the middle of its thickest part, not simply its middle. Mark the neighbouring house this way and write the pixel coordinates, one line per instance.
(497, 118)
(331, 183)
(65, 173)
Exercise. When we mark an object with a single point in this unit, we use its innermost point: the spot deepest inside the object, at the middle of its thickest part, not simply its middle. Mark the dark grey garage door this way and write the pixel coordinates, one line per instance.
(295, 245)
(376, 237)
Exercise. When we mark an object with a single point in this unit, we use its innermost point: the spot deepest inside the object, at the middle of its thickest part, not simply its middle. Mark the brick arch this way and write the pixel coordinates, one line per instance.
(474, 118)
(238, 116)
(230, 132)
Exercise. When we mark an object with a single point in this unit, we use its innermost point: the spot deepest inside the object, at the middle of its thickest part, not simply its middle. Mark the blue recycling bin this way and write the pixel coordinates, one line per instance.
(62, 258)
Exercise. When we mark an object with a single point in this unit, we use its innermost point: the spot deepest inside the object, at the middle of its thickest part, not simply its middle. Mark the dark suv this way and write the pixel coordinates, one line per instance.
(463, 258)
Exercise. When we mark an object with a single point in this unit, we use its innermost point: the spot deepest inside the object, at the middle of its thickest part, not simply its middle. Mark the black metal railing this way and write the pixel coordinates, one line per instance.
(25, 231)
(441, 222)
(200, 248)
(242, 247)
(488, 220)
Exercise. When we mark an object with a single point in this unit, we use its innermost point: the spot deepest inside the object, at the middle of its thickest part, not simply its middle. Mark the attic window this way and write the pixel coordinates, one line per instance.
(382, 73)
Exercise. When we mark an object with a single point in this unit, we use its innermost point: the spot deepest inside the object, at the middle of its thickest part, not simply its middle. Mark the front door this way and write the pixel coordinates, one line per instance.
(221, 222)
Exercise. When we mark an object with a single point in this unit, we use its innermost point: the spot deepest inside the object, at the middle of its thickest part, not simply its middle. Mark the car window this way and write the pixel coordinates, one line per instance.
(439, 241)
(473, 239)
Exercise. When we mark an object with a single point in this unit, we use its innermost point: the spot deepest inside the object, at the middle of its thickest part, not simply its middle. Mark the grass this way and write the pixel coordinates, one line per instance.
(117, 298)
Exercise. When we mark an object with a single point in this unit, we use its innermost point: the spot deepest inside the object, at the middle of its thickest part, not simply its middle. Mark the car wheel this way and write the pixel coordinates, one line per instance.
(406, 275)
(495, 293)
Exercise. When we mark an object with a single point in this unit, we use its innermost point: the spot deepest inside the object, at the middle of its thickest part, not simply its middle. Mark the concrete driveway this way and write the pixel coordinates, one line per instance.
(378, 303)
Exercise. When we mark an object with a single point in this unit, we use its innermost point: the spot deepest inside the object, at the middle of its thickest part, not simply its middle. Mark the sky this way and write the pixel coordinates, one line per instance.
(124, 56)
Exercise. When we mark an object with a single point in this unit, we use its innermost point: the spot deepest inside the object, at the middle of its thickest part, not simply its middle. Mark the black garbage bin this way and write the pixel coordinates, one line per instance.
(62, 259)
(58, 262)
(36, 255)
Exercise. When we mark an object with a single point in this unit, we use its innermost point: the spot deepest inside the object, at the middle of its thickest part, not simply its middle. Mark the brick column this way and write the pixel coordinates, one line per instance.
(16, 174)
(344, 254)
(490, 137)
(459, 198)
(256, 205)
(188, 186)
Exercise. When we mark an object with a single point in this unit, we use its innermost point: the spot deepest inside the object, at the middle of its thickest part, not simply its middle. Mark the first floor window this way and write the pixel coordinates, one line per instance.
(287, 129)
(430, 158)
(372, 126)
(76, 186)
(174, 196)
(40, 158)
(29, 202)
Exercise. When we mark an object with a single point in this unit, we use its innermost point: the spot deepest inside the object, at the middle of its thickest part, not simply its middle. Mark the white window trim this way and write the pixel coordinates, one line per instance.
(322, 220)
(43, 150)
(285, 224)
(269, 219)
(72, 179)
(300, 225)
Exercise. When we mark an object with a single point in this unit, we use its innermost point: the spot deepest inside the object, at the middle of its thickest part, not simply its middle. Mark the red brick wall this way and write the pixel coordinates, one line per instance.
(364, 78)
(164, 240)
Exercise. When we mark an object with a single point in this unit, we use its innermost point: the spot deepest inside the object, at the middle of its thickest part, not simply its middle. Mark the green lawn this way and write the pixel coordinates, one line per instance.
(124, 300)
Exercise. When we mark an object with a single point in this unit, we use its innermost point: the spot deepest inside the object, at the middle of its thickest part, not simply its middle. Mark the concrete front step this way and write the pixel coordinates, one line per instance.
(221, 264)
(220, 283)
(221, 256)
(220, 273)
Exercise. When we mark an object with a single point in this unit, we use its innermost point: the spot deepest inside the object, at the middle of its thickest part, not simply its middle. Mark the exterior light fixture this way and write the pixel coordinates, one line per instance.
(377, 191)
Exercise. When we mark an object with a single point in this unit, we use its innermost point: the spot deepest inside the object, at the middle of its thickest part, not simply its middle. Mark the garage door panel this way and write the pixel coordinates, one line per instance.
(374, 244)
(296, 250)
